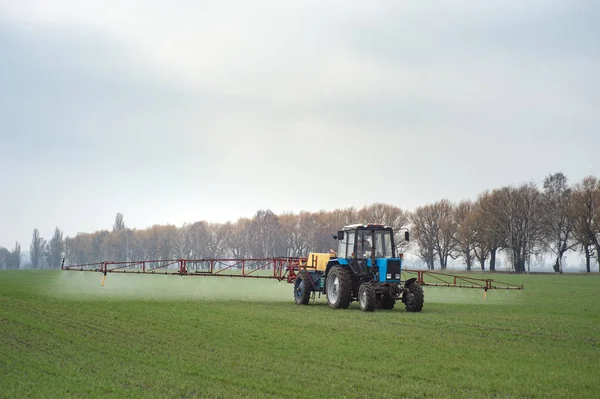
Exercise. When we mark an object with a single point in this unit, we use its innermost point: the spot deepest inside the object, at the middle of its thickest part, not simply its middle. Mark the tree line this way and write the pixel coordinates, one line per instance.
(519, 221)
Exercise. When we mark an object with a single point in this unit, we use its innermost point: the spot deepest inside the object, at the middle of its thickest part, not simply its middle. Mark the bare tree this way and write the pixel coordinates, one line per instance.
(517, 214)
(197, 240)
(216, 240)
(343, 217)
(237, 237)
(116, 244)
(79, 249)
(295, 243)
(166, 241)
(75, 251)
(180, 243)
(466, 232)
(307, 230)
(585, 211)
(15, 256)
(490, 237)
(37, 250)
(388, 215)
(482, 247)
(98, 246)
(134, 246)
(119, 224)
(445, 235)
(118, 240)
(266, 234)
(56, 249)
(4, 258)
(557, 221)
(321, 235)
(425, 229)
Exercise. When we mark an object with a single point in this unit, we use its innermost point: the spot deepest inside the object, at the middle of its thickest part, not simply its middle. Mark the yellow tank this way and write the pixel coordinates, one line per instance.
(317, 261)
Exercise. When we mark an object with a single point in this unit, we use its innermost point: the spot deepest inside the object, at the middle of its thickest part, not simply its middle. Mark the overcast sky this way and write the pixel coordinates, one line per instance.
(179, 111)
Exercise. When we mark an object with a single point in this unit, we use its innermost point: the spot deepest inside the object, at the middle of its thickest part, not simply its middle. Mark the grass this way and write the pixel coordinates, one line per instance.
(62, 335)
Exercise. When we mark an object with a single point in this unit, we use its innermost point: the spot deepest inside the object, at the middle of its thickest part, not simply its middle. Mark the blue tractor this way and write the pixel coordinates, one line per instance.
(366, 268)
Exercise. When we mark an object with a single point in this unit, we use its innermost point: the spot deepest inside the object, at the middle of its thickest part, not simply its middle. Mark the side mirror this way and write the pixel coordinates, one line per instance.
(406, 236)
(339, 236)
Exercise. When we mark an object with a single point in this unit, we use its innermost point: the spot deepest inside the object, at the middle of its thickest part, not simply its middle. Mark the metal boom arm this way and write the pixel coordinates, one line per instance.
(282, 268)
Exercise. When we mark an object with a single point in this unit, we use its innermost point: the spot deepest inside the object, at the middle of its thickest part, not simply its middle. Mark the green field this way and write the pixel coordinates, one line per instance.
(62, 335)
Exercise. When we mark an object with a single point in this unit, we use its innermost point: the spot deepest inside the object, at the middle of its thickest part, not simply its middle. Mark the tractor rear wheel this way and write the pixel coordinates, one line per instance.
(302, 289)
(366, 297)
(339, 288)
(386, 302)
(413, 297)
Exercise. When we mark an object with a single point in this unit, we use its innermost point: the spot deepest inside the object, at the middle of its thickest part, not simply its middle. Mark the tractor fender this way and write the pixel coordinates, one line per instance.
(330, 264)
(409, 282)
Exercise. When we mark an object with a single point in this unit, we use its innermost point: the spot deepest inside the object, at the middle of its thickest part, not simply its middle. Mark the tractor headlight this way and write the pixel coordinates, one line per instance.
(388, 276)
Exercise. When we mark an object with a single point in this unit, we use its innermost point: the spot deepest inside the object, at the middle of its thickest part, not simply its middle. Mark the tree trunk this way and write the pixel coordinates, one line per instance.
(557, 265)
(596, 244)
(587, 258)
(522, 262)
(518, 261)
(493, 260)
(521, 265)
(469, 262)
(482, 263)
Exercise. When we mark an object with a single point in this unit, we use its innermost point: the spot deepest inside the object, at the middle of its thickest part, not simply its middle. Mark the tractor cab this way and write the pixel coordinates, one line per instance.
(370, 249)
(358, 241)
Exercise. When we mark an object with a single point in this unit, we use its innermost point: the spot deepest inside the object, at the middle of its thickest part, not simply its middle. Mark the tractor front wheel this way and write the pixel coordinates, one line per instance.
(366, 297)
(339, 288)
(413, 297)
(302, 289)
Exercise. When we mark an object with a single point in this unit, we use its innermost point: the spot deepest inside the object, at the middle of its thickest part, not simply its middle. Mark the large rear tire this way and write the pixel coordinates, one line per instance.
(413, 297)
(339, 288)
(366, 297)
(302, 289)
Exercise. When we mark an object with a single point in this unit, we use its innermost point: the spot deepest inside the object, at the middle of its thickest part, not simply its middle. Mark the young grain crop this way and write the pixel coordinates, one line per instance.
(61, 335)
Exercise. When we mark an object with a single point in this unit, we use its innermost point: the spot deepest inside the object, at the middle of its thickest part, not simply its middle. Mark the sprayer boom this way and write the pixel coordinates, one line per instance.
(282, 268)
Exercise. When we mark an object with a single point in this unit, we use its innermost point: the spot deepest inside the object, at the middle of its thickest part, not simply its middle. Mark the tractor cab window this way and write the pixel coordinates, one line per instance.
(383, 244)
(381, 239)
(344, 244)
(364, 243)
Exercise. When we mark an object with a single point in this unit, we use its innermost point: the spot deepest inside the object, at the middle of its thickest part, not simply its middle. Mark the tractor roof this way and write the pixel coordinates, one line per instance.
(366, 226)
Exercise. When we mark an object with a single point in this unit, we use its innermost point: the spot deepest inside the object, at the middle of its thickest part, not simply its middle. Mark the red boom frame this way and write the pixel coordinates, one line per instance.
(282, 268)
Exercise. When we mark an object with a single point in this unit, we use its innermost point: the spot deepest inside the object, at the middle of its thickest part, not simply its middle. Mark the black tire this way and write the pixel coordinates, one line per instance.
(386, 302)
(339, 288)
(302, 289)
(413, 297)
(366, 297)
